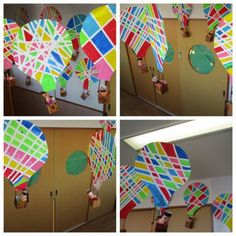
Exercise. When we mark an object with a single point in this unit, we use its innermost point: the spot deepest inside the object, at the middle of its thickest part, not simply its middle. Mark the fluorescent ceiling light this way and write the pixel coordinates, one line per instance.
(180, 131)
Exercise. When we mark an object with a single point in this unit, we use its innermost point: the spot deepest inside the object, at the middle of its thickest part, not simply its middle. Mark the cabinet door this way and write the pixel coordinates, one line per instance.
(71, 201)
(38, 215)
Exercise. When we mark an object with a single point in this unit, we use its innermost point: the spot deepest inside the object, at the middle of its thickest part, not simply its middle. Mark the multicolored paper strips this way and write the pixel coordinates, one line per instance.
(43, 49)
(25, 151)
(65, 76)
(107, 124)
(51, 13)
(132, 190)
(98, 40)
(222, 209)
(102, 157)
(196, 195)
(164, 168)
(182, 13)
(74, 27)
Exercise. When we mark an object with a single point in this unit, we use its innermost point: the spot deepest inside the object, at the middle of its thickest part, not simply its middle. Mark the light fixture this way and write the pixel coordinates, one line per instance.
(180, 131)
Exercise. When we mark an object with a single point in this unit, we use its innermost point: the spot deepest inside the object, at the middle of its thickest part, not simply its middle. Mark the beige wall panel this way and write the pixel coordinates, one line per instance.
(38, 215)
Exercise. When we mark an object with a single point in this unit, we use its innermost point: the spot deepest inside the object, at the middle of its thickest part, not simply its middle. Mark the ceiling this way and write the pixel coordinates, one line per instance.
(210, 155)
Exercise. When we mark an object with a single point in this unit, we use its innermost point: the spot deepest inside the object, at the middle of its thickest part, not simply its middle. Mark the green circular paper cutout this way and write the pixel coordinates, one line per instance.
(76, 163)
(201, 59)
(169, 54)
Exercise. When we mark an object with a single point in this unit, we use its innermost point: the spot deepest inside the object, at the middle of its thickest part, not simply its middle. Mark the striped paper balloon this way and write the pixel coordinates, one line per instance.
(182, 13)
(222, 209)
(196, 195)
(43, 49)
(51, 13)
(214, 14)
(102, 157)
(22, 16)
(98, 40)
(132, 190)
(25, 151)
(164, 168)
(65, 76)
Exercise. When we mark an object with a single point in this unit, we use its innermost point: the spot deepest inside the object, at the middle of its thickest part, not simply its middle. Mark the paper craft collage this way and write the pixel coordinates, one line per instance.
(117, 117)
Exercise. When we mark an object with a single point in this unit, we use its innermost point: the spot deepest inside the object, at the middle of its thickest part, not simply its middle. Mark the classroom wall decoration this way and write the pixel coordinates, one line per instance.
(222, 209)
(51, 13)
(182, 13)
(107, 125)
(43, 49)
(34, 178)
(164, 168)
(132, 190)
(214, 14)
(65, 76)
(25, 151)
(10, 29)
(21, 16)
(170, 54)
(76, 163)
(196, 195)
(143, 27)
(73, 27)
(98, 40)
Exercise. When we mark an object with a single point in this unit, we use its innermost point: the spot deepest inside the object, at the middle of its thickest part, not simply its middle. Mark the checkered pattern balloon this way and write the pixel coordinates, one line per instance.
(102, 157)
(98, 40)
(223, 42)
(10, 29)
(222, 209)
(43, 49)
(51, 13)
(196, 195)
(182, 13)
(164, 168)
(21, 17)
(214, 14)
(65, 76)
(74, 27)
(25, 151)
(132, 190)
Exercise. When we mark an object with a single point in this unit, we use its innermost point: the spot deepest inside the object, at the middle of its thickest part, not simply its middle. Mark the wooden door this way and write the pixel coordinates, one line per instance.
(38, 215)
(71, 201)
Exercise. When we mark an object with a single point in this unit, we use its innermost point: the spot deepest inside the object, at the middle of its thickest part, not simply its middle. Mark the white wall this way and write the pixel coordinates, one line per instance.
(215, 185)
(74, 86)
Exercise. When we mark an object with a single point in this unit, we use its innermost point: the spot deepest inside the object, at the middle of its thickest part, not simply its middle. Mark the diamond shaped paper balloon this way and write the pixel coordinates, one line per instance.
(51, 13)
(25, 151)
(164, 168)
(22, 16)
(43, 49)
(98, 40)
(196, 195)
(132, 190)
(222, 209)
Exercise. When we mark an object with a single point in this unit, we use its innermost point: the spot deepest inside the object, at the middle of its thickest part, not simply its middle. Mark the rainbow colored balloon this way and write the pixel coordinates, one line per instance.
(214, 14)
(182, 13)
(43, 49)
(65, 76)
(25, 151)
(196, 195)
(74, 27)
(21, 17)
(164, 168)
(132, 190)
(222, 209)
(98, 40)
(10, 29)
(86, 71)
(102, 157)
(51, 13)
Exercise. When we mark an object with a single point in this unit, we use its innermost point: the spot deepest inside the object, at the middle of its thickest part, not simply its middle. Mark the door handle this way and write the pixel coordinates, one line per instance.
(51, 194)
(223, 93)
(56, 192)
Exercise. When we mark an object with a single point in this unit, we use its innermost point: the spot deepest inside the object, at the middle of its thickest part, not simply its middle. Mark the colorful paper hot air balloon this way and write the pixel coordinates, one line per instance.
(222, 209)
(182, 13)
(196, 195)
(65, 76)
(164, 168)
(107, 124)
(102, 157)
(214, 14)
(73, 27)
(25, 151)
(51, 13)
(43, 49)
(10, 29)
(143, 27)
(132, 190)
(21, 16)
(223, 44)
(98, 40)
